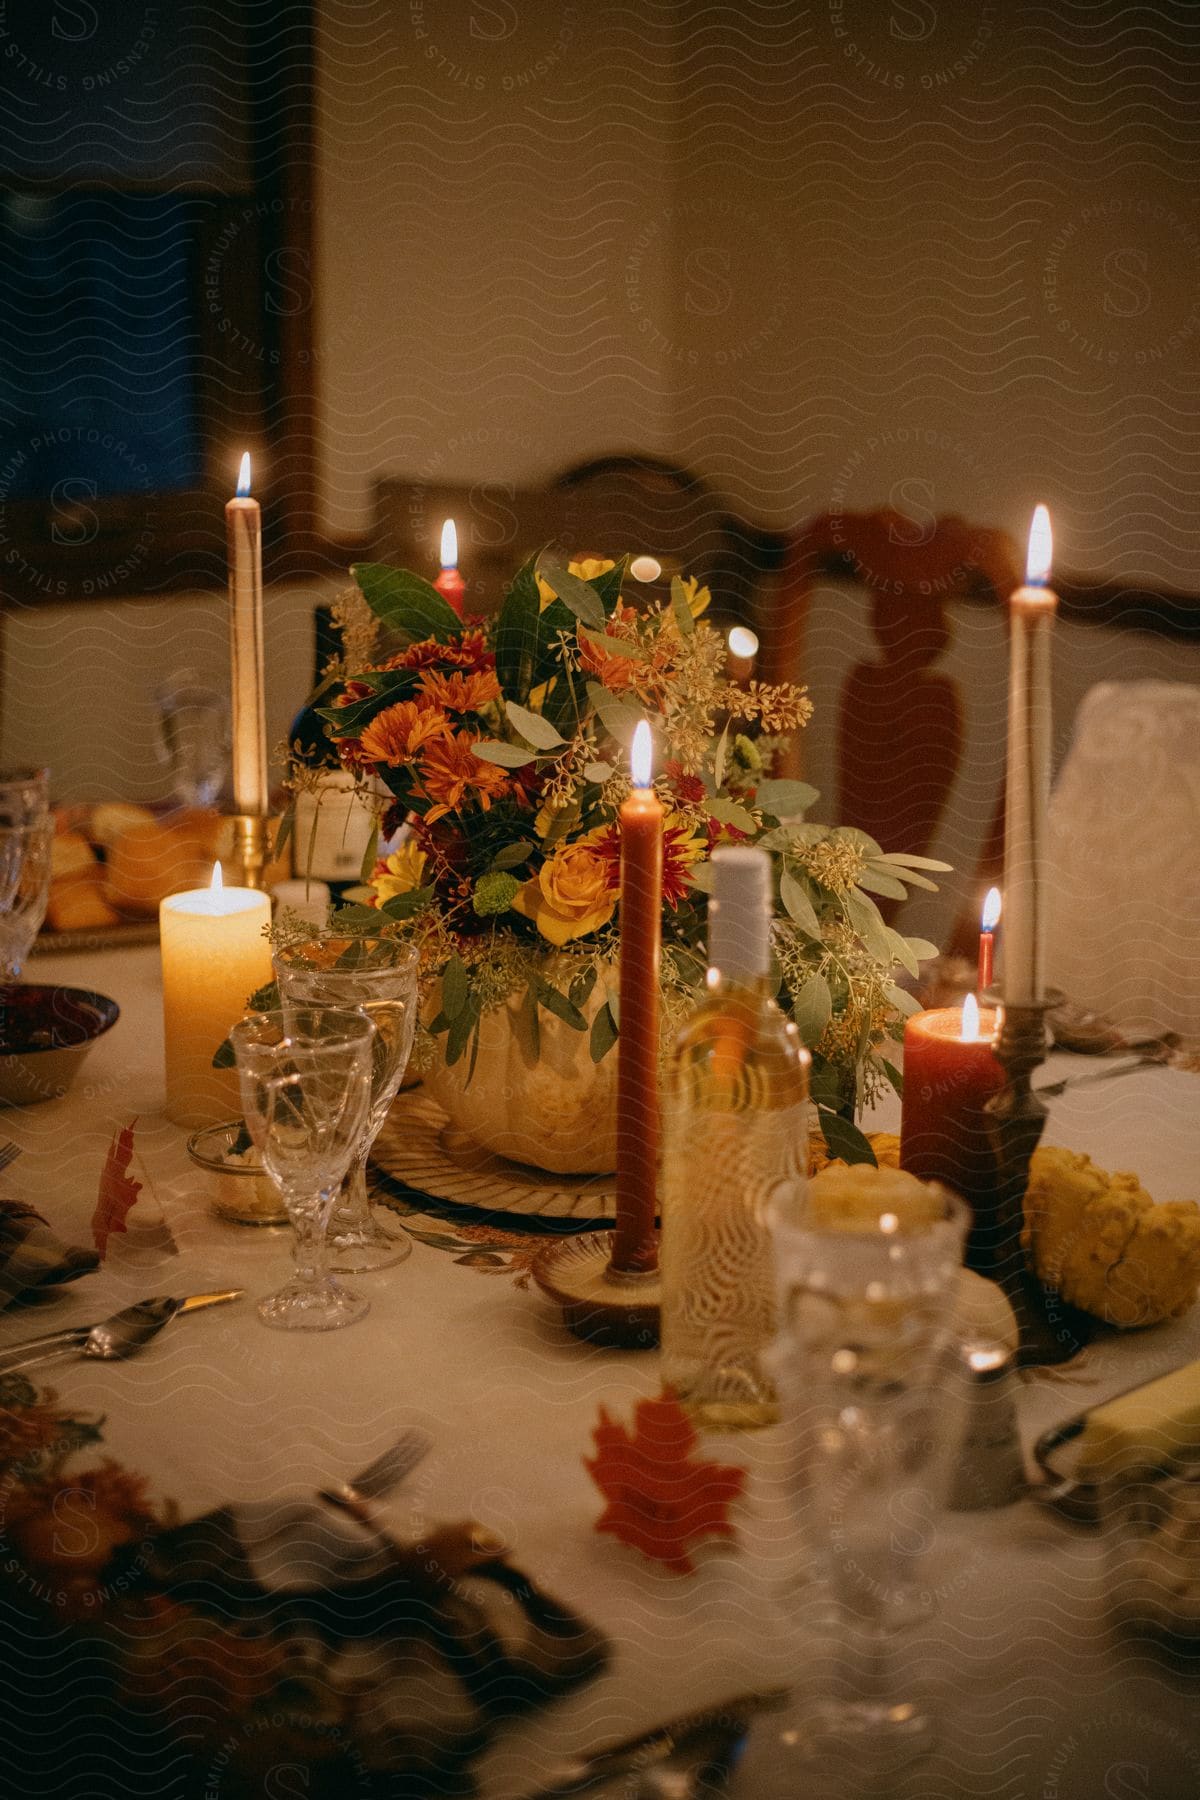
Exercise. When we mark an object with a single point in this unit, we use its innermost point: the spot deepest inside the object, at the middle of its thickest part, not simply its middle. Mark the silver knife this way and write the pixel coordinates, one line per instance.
(112, 1339)
(723, 1725)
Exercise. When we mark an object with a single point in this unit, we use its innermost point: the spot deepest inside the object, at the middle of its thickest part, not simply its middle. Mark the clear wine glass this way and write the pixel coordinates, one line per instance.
(305, 1081)
(863, 1366)
(26, 837)
(378, 975)
(193, 739)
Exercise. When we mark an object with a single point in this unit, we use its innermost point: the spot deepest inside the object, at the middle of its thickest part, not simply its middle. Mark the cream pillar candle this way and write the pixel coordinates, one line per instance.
(1030, 721)
(214, 955)
(243, 525)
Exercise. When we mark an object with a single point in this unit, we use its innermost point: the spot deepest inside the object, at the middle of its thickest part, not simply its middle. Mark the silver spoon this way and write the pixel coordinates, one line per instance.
(112, 1340)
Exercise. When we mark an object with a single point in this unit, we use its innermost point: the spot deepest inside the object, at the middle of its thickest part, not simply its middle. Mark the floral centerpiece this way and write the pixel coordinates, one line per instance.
(503, 743)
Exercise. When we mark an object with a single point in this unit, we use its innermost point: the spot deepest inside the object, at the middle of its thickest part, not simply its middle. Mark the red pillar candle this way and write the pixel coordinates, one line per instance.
(987, 939)
(635, 1246)
(450, 584)
(950, 1074)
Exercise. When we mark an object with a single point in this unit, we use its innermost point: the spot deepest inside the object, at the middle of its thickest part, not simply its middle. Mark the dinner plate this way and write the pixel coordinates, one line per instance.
(420, 1147)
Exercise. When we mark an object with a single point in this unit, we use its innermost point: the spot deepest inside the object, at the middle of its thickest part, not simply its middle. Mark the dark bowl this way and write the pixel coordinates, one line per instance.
(45, 1035)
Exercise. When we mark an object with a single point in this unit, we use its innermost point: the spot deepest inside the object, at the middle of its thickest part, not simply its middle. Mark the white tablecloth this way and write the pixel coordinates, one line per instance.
(1038, 1701)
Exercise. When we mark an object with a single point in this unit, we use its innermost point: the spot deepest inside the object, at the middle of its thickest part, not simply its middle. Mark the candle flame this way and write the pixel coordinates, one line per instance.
(243, 486)
(1041, 549)
(991, 910)
(970, 1020)
(217, 885)
(742, 642)
(640, 755)
(449, 545)
(645, 568)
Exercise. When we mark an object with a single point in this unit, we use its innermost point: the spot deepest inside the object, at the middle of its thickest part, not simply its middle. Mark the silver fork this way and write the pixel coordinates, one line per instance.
(379, 1478)
(9, 1152)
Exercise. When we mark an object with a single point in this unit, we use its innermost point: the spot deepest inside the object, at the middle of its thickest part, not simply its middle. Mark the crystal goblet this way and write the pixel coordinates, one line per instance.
(377, 975)
(305, 1082)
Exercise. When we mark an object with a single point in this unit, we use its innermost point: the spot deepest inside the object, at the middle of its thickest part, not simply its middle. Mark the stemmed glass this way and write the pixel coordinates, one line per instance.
(378, 975)
(26, 836)
(305, 1081)
(863, 1368)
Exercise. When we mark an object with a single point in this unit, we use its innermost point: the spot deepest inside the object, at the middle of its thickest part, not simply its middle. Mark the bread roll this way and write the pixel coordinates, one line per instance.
(71, 854)
(148, 862)
(77, 902)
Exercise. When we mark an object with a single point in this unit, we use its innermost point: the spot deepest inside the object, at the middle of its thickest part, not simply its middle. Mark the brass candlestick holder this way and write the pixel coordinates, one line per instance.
(1051, 1330)
(252, 847)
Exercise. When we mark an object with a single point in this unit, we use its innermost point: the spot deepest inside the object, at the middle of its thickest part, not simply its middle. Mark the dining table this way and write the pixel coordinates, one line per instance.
(1038, 1694)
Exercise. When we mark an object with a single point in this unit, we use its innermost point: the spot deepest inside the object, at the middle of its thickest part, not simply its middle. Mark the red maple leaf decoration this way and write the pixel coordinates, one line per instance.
(118, 1189)
(660, 1498)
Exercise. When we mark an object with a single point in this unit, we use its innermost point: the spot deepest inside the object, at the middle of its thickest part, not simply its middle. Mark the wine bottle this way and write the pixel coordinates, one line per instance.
(333, 820)
(735, 1152)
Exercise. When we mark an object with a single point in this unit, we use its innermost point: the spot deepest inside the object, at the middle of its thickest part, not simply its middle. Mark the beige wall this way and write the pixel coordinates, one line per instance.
(947, 255)
(825, 253)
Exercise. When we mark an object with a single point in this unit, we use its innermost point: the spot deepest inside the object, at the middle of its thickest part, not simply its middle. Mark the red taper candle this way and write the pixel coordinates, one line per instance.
(450, 584)
(635, 1244)
(987, 939)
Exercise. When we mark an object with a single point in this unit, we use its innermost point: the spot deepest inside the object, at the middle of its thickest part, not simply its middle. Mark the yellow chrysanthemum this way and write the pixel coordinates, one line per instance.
(587, 568)
(400, 872)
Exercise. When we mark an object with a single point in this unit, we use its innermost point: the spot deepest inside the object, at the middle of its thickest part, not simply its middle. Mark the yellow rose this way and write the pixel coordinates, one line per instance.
(570, 895)
(587, 569)
(401, 872)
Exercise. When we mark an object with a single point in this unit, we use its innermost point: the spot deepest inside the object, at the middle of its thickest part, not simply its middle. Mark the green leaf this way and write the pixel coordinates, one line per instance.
(531, 1022)
(913, 862)
(844, 1140)
(702, 875)
(783, 798)
(581, 987)
(719, 756)
(681, 609)
(532, 727)
(459, 1034)
(557, 1003)
(608, 585)
(865, 921)
(519, 639)
(797, 905)
(579, 596)
(911, 877)
(597, 771)
(690, 966)
(369, 854)
(511, 855)
(903, 1001)
(922, 949)
(894, 1076)
(405, 906)
(902, 952)
(223, 1056)
(617, 716)
(508, 756)
(355, 918)
(604, 1033)
(286, 827)
(812, 1009)
(613, 646)
(456, 988)
(728, 812)
(406, 602)
(874, 881)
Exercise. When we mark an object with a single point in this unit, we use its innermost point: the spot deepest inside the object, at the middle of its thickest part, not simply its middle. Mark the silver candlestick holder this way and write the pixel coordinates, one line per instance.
(1051, 1330)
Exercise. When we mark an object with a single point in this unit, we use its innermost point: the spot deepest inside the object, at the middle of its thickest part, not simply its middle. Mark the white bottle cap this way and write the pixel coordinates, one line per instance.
(739, 913)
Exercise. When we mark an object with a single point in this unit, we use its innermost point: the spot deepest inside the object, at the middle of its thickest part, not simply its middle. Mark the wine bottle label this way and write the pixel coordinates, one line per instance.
(333, 829)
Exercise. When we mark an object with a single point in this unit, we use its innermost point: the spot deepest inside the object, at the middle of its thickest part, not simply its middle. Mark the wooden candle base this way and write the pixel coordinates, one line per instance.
(619, 1312)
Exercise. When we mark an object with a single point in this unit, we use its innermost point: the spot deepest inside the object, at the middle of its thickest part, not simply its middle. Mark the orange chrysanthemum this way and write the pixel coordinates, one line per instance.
(470, 651)
(450, 772)
(461, 692)
(395, 735)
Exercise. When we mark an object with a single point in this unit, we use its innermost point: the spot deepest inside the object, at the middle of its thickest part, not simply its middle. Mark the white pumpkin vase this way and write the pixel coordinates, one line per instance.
(553, 1108)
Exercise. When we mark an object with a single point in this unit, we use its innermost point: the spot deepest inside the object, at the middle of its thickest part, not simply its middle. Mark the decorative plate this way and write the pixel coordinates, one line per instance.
(419, 1147)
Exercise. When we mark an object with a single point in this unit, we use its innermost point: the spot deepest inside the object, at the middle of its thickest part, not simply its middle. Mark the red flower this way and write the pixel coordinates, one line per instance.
(681, 848)
(688, 789)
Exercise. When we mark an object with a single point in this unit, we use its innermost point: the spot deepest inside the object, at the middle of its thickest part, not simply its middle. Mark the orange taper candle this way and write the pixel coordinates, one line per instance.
(950, 1073)
(243, 526)
(635, 1246)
